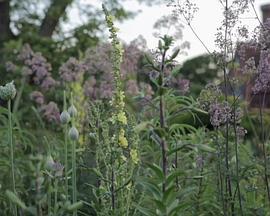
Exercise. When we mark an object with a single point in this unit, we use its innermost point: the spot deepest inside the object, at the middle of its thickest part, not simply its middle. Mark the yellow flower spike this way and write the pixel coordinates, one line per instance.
(122, 117)
(134, 156)
(122, 139)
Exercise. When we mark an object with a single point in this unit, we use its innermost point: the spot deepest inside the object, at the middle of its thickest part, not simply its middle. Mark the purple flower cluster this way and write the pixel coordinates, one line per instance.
(37, 68)
(50, 112)
(72, 70)
(262, 82)
(264, 38)
(99, 71)
(37, 97)
(182, 85)
(220, 114)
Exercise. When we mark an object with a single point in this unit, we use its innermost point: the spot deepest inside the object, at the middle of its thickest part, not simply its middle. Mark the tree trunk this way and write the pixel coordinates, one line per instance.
(55, 11)
(5, 32)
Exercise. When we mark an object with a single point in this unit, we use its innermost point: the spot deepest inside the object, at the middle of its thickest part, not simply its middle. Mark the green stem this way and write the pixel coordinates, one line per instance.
(10, 132)
(66, 148)
(55, 196)
(74, 187)
(49, 197)
(19, 95)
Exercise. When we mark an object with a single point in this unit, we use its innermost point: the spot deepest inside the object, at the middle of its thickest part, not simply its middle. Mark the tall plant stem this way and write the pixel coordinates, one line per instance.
(66, 148)
(10, 136)
(220, 176)
(55, 196)
(264, 150)
(49, 197)
(237, 160)
(228, 176)
(74, 183)
(162, 120)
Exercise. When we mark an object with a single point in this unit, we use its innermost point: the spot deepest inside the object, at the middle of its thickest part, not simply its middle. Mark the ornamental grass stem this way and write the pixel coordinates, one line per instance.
(10, 138)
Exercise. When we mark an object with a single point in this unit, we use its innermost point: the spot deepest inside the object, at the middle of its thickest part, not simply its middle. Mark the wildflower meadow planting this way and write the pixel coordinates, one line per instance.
(93, 125)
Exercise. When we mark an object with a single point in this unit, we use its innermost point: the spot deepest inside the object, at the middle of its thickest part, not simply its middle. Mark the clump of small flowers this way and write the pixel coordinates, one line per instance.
(210, 95)
(220, 113)
(37, 97)
(122, 139)
(134, 156)
(50, 112)
(262, 82)
(72, 70)
(36, 68)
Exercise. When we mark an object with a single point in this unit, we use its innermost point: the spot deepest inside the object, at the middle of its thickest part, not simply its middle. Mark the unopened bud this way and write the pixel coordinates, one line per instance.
(73, 134)
(64, 117)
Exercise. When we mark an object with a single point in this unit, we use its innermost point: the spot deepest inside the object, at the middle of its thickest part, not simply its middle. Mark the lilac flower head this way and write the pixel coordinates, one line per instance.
(36, 68)
(72, 70)
(51, 112)
(58, 168)
(220, 114)
(240, 132)
(37, 97)
(209, 95)
(262, 82)
(264, 38)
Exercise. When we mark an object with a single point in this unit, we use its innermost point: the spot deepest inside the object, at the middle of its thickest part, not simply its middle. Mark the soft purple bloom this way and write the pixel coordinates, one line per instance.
(72, 70)
(51, 112)
(220, 114)
(262, 82)
(37, 97)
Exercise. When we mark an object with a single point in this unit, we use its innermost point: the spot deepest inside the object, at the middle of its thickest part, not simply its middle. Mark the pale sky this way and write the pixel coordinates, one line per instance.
(205, 23)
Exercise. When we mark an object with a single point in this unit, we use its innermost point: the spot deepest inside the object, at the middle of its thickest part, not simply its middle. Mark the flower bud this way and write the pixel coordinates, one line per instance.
(49, 162)
(8, 91)
(64, 117)
(72, 111)
(73, 134)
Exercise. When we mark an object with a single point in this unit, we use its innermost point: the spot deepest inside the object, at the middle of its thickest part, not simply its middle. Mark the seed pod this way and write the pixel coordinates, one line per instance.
(73, 134)
(72, 111)
(64, 117)
(8, 91)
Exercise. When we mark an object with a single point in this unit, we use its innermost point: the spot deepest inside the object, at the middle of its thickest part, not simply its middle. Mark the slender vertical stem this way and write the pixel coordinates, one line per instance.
(228, 177)
(74, 185)
(49, 196)
(237, 158)
(55, 195)
(10, 136)
(162, 120)
(264, 149)
(66, 148)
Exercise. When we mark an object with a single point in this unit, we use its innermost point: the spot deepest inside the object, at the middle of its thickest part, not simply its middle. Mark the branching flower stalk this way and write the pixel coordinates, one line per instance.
(7, 93)
(120, 167)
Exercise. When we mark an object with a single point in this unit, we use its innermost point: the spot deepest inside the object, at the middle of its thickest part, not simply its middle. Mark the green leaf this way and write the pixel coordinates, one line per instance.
(157, 170)
(15, 199)
(75, 206)
(175, 54)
